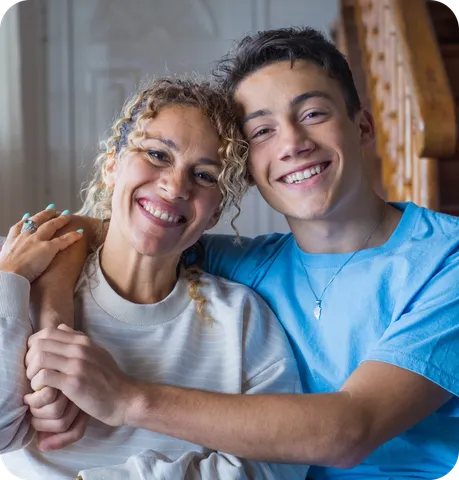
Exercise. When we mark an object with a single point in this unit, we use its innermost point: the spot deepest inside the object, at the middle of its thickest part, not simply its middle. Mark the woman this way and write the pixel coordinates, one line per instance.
(173, 163)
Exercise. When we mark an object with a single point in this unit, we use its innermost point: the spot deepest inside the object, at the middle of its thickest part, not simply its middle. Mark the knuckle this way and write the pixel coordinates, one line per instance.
(49, 395)
(80, 351)
(62, 425)
(85, 341)
(46, 333)
(78, 369)
(75, 382)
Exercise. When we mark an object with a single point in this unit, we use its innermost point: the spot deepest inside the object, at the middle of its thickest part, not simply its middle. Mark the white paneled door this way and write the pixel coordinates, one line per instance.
(99, 51)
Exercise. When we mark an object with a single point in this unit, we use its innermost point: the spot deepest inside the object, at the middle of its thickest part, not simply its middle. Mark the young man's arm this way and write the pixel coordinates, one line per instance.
(408, 374)
(377, 403)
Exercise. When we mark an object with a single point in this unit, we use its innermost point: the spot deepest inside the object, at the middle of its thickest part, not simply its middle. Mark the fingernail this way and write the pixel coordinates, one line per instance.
(26, 216)
(80, 230)
(50, 206)
(65, 212)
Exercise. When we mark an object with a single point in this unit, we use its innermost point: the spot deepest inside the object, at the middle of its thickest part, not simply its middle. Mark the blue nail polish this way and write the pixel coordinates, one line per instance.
(50, 206)
(65, 212)
(80, 230)
(26, 216)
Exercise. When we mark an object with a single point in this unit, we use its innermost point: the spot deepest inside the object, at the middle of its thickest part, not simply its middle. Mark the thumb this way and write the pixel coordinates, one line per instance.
(65, 327)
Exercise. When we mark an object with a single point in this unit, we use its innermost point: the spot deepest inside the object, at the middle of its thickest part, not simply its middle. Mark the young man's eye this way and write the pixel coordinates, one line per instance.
(313, 115)
(261, 132)
(205, 177)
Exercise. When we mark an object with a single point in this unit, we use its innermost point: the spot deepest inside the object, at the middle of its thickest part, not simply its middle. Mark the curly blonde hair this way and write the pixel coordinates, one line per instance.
(145, 104)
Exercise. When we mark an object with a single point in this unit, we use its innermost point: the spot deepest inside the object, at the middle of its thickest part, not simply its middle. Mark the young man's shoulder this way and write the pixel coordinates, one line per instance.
(430, 229)
(241, 261)
(229, 292)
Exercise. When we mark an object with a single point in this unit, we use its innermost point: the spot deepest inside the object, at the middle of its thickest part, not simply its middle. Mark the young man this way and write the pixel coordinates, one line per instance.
(365, 290)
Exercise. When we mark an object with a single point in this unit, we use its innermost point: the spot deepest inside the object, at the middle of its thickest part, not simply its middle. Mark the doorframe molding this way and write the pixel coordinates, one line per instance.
(61, 103)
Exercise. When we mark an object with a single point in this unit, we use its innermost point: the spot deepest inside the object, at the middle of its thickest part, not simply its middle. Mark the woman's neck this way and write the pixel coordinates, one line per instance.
(138, 278)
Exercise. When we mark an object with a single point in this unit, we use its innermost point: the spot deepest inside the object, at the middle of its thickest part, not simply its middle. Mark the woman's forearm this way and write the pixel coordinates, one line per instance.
(52, 293)
(274, 428)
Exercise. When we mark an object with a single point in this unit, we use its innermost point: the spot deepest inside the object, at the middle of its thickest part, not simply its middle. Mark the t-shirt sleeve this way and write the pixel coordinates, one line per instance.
(222, 254)
(425, 337)
(244, 261)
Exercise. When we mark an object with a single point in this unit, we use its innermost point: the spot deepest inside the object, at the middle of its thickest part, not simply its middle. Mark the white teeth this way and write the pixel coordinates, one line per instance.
(159, 214)
(298, 177)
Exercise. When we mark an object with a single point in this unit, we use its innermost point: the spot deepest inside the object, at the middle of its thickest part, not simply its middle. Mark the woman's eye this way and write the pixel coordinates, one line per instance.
(157, 155)
(206, 177)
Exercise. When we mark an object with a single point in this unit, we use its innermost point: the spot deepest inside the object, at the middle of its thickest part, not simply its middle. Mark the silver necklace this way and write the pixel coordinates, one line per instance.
(318, 308)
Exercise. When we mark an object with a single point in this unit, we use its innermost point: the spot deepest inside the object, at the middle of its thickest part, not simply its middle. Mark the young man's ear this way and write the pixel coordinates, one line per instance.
(111, 171)
(366, 124)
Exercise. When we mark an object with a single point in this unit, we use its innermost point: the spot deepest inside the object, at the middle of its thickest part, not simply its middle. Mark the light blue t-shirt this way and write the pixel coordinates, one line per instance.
(397, 303)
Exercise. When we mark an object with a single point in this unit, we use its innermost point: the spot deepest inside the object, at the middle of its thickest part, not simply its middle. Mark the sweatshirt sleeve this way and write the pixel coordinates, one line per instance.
(15, 329)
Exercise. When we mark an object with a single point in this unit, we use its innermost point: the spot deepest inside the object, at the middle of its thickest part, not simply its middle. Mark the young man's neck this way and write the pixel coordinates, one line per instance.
(358, 225)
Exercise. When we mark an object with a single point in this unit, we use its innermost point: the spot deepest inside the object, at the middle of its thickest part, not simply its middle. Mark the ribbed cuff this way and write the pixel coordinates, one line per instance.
(14, 296)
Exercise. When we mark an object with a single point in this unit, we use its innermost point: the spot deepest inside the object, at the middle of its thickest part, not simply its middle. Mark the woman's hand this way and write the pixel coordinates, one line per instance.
(84, 372)
(30, 253)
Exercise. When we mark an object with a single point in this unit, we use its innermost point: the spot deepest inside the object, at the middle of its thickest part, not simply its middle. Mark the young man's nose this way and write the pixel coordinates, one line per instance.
(293, 142)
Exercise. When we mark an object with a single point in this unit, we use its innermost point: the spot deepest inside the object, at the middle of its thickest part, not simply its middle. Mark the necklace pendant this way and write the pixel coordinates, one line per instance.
(318, 309)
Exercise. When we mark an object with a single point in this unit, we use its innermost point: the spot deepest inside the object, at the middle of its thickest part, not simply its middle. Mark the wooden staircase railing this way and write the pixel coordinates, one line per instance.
(409, 93)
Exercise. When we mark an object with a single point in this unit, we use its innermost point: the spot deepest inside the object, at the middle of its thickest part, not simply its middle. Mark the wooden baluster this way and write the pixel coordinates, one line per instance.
(428, 183)
(410, 182)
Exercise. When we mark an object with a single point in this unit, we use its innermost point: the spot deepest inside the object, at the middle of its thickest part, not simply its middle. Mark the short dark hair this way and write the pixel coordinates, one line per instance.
(270, 46)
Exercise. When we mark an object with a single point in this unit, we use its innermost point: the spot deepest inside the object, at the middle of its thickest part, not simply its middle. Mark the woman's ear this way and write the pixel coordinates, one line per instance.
(214, 219)
(111, 171)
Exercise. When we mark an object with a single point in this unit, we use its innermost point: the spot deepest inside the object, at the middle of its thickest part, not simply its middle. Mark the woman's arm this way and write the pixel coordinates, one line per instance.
(58, 421)
(52, 292)
(15, 328)
(23, 257)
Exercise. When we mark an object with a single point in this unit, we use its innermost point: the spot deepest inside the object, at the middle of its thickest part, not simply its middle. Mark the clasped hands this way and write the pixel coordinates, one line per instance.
(72, 380)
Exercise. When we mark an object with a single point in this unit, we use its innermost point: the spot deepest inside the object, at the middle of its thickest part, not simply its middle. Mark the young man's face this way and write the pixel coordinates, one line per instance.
(305, 151)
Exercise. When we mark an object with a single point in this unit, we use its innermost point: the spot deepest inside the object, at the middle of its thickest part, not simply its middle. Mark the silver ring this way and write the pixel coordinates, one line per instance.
(29, 226)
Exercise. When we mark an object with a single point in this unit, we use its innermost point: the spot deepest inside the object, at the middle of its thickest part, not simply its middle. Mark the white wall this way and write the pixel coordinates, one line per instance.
(97, 51)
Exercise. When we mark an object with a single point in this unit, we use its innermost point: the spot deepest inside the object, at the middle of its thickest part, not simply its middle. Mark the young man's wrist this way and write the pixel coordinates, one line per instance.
(142, 405)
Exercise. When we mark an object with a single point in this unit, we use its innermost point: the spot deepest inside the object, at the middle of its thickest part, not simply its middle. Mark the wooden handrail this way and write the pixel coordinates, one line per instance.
(411, 99)
(435, 129)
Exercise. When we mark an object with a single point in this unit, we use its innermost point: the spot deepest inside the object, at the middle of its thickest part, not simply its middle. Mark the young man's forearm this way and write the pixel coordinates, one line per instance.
(273, 428)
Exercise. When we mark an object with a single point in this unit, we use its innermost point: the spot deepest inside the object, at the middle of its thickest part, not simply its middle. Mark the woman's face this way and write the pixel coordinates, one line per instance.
(166, 194)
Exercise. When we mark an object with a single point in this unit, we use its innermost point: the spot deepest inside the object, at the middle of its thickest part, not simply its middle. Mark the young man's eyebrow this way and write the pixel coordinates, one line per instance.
(256, 114)
(308, 95)
(297, 100)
